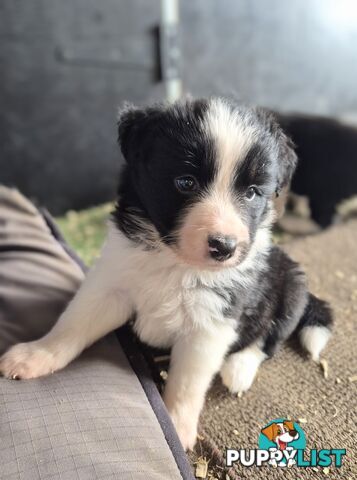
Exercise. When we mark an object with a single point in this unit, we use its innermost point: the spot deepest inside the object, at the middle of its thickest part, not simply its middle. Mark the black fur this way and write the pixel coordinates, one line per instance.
(272, 311)
(161, 143)
(326, 173)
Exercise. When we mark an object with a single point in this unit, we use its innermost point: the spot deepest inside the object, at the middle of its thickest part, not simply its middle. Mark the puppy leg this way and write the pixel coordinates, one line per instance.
(99, 307)
(240, 368)
(315, 326)
(195, 359)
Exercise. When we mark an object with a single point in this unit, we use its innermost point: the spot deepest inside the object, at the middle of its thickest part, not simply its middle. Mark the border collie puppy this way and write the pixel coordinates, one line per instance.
(189, 252)
(321, 144)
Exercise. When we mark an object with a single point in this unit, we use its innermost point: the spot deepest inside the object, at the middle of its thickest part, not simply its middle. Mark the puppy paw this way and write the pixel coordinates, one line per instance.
(314, 340)
(239, 370)
(27, 360)
(186, 430)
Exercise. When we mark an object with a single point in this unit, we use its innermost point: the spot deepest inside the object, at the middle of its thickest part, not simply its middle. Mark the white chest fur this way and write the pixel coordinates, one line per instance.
(169, 299)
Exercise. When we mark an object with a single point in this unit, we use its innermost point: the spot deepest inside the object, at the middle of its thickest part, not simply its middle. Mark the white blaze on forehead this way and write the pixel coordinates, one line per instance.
(281, 425)
(233, 133)
(232, 136)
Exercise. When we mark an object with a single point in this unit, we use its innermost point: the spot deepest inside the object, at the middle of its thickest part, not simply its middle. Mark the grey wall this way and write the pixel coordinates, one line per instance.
(296, 55)
(65, 65)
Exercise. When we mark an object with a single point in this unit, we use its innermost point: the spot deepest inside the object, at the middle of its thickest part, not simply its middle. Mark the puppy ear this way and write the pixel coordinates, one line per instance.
(289, 425)
(130, 122)
(270, 431)
(287, 158)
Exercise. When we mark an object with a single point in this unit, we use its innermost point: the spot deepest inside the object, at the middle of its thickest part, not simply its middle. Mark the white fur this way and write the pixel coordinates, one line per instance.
(314, 340)
(232, 136)
(173, 308)
(239, 370)
(195, 358)
(100, 305)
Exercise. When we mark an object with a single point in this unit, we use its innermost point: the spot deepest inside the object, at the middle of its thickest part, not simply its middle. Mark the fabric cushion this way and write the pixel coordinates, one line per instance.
(37, 276)
(93, 419)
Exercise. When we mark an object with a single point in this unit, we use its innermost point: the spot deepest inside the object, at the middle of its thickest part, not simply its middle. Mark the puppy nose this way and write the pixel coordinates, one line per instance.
(221, 247)
(293, 433)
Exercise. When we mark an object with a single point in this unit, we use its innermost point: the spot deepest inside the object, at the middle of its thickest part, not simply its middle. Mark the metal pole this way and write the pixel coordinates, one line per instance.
(170, 49)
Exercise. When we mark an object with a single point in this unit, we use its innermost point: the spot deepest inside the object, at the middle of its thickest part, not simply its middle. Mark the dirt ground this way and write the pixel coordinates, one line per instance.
(291, 385)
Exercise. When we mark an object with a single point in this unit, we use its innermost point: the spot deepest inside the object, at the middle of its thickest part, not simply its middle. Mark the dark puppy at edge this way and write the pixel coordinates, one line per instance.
(189, 252)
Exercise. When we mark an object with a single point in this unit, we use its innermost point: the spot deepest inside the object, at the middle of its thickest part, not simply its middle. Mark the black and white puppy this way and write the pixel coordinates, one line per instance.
(189, 251)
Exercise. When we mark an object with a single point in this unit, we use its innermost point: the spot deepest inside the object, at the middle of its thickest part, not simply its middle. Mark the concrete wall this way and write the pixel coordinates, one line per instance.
(65, 65)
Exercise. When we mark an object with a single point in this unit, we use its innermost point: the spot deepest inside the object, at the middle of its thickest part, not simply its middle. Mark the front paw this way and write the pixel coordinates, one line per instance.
(239, 370)
(186, 430)
(27, 360)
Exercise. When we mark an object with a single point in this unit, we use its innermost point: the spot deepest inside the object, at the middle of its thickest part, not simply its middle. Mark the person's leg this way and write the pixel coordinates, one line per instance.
(99, 306)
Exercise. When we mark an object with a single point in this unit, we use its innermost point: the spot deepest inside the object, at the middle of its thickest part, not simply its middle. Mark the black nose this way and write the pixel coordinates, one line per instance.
(221, 247)
(293, 433)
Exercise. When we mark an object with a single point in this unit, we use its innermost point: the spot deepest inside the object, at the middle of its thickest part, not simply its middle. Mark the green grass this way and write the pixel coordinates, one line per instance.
(85, 230)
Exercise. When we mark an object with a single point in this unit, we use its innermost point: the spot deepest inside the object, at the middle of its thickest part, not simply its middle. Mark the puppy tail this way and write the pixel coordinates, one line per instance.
(315, 326)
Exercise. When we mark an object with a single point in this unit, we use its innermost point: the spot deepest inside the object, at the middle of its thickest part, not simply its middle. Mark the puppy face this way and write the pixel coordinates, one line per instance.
(281, 433)
(203, 173)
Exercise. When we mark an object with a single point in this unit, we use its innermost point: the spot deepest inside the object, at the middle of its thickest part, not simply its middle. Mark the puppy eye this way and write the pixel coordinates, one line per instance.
(251, 193)
(186, 184)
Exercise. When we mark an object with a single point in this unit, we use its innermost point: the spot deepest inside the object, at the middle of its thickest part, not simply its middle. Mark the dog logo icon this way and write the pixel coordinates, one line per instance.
(285, 436)
(281, 433)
